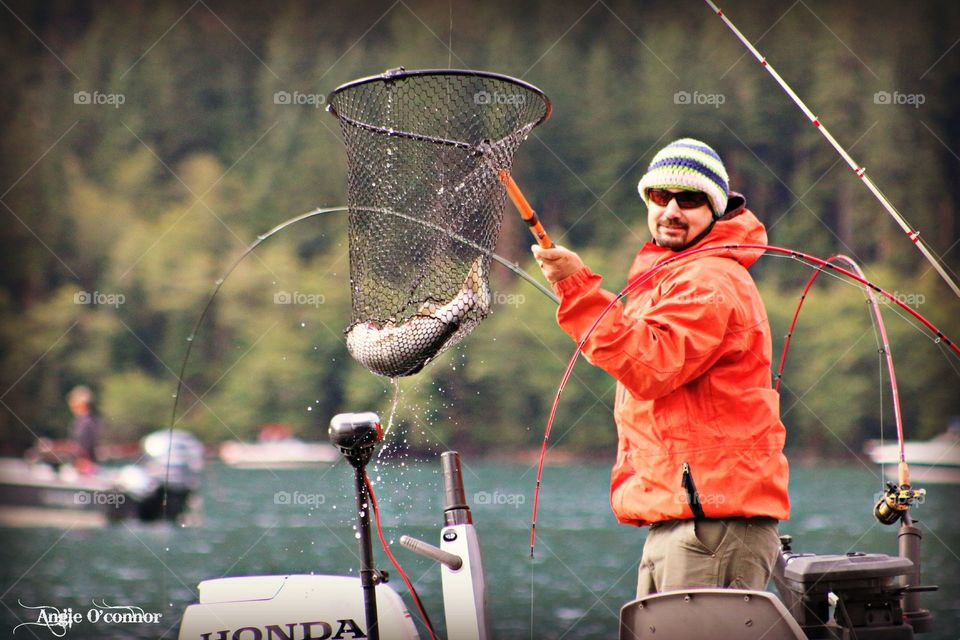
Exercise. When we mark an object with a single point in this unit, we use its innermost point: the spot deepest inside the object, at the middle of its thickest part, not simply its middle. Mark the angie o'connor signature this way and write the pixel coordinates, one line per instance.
(59, 621)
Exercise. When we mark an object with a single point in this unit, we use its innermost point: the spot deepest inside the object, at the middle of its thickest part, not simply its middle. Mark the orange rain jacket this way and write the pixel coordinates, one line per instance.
(697, 418)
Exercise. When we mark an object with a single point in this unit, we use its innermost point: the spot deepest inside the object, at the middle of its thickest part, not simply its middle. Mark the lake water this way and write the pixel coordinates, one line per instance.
(301, 521)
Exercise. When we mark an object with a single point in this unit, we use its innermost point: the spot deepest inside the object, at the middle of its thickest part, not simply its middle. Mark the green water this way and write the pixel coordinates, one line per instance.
(585, 567)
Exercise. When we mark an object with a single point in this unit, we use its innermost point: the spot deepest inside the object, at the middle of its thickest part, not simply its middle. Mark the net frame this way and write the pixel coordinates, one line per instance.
(427, 146)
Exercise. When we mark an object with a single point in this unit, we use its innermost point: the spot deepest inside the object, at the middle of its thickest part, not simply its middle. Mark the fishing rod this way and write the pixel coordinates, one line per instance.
(884, 348)
(858, 169)
(939, 337)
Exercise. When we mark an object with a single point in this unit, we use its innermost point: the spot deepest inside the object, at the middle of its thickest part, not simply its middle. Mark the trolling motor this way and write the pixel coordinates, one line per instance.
(357, 435)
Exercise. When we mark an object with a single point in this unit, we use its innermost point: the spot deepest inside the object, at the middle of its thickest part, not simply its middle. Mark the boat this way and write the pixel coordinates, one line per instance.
(868, 596)
(277, 448)
(44, 491)
(935, 461)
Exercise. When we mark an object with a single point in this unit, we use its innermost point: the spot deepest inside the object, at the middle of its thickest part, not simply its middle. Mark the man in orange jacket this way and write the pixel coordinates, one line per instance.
(700, 454)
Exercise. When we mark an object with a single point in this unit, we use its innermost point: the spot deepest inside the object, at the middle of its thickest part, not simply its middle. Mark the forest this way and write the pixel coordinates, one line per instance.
(145, 146)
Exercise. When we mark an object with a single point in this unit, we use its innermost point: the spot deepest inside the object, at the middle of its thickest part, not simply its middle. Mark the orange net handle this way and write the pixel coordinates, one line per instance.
(526, 211)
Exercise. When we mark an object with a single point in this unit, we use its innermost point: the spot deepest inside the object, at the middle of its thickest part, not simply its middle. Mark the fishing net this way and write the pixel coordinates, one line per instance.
(424, 152)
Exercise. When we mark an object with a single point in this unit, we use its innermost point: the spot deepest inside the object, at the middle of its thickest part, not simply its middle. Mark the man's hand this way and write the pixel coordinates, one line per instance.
(556, 263)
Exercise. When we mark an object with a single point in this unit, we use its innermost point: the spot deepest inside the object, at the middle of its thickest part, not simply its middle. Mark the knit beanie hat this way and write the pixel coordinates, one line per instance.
(690, 165)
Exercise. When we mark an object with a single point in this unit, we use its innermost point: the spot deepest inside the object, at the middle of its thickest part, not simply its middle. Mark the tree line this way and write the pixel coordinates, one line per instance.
(141, 158)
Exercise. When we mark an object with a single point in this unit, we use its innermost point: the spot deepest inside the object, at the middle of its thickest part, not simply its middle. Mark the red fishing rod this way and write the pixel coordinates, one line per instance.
(939, 336)
(884, 346)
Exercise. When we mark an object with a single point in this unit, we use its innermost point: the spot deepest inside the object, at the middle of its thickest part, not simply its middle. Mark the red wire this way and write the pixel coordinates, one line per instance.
(403, 574)
(940, 336)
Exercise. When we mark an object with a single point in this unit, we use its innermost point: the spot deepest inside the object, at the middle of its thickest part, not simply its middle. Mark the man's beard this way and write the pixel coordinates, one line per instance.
(675, 240)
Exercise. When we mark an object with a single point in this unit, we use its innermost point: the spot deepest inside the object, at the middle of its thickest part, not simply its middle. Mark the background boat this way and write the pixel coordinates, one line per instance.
(160, 485)
(931, 461)
(277, 448)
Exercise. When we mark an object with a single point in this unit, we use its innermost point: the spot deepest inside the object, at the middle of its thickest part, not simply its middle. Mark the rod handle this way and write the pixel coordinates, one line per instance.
(526, 211)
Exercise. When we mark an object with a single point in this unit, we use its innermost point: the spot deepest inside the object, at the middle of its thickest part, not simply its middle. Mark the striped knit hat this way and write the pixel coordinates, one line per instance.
(690, 165)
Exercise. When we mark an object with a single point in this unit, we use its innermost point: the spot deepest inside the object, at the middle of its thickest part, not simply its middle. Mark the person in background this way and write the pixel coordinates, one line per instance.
(86, 428)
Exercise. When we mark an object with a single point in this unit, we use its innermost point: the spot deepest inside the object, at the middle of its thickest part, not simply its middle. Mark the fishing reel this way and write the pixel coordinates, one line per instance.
(895, 502)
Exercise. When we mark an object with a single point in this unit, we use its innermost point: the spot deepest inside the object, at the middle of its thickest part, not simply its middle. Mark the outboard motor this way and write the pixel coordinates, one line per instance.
(310, 607)
(164, 484)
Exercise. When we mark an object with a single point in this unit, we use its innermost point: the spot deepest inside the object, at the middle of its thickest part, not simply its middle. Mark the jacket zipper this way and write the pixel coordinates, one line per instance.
(693, 498)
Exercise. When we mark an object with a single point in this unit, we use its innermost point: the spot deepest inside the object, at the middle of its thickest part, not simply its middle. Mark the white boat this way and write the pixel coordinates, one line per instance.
(161, 486)
(274, 454)
(934, 461)
(277, 448)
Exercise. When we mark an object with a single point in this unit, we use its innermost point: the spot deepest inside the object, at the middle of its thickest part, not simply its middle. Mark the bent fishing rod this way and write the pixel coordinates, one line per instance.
(884, 347)
(858, 169)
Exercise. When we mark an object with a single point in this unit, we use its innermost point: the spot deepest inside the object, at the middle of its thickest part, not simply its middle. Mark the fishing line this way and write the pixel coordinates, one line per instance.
(807, 259)
(393, 410)
(859, 170)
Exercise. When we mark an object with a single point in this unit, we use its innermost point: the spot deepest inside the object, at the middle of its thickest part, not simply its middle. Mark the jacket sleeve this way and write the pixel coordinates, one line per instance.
(656, 349)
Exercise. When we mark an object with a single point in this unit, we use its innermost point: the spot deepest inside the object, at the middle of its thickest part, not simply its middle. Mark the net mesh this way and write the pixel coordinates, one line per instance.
(424, 149)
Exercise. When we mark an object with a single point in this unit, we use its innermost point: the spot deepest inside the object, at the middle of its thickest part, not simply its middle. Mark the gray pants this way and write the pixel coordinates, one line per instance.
(737, 553)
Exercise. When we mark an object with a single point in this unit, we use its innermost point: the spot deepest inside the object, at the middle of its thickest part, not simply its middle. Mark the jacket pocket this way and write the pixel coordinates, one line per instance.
(693, 498)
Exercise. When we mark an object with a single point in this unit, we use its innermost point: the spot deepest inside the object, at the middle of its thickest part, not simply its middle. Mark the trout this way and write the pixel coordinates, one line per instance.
(403, 349)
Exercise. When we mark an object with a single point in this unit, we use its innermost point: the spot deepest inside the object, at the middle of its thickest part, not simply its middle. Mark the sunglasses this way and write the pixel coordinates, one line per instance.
(685, 199)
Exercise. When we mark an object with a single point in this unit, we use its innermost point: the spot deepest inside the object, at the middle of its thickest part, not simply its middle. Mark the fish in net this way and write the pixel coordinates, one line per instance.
(426, 152)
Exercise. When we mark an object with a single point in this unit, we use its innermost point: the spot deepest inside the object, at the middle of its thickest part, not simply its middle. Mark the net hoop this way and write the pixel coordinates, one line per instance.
(400, 73)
